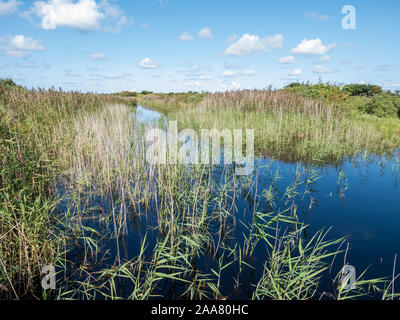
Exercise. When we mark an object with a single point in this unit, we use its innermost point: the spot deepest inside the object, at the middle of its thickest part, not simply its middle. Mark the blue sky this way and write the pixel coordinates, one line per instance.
(177, 45)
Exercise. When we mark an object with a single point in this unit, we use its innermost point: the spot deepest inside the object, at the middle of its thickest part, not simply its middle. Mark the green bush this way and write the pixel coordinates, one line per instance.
(329, 92)
(367, 90)
(383, 105)
(7, 83)
(127, 94)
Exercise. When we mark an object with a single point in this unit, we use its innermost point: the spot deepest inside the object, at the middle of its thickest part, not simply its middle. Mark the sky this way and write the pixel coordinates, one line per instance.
(204, 45)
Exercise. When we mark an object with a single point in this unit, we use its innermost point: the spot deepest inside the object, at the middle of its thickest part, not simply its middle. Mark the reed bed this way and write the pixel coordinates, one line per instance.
(190, 215)
(289, 127)
(35, 136)
(74, 180)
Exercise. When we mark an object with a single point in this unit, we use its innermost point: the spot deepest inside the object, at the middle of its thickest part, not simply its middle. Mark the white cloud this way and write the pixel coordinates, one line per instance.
(84, 15)
(228, 73)
(21, 42)
(252, 44)
(192, 84)
(296, 72)
(234, 86)
(314, 46)
(205, 33)
(19, 46)
(321, 69)
(97, 56)
(287, 60)
(248, 72)
(147, 63)
(317, 17)
(8, 7)
(186, 37)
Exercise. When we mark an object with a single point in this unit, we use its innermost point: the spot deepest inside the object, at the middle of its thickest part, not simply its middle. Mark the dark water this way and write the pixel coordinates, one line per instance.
(358, 200)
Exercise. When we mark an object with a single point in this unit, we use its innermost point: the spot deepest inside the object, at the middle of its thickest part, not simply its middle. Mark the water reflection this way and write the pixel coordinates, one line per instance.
(359, 199)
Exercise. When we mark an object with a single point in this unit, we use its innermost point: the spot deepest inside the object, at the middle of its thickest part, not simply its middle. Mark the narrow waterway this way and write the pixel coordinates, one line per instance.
(358, 200)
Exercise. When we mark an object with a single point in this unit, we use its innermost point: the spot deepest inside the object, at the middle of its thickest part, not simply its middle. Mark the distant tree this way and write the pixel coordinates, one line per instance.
(127, 94)
(293, 85)
(367, 90)
(7, 83)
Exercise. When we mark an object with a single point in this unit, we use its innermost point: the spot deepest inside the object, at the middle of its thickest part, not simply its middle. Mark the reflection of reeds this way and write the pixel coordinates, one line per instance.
(195, 209)
(88, 142)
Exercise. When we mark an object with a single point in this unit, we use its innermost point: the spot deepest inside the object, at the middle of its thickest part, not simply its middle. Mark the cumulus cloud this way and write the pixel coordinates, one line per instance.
(228, 73)
(83, 15)
(19, 46)
(192, 84)
(287, 60)
(314, 46)
(205, 33)
(296, 72)
(147, 63)
(9, 7)
(97, 56)
(234, 86)
(252, 44)
(186, 36)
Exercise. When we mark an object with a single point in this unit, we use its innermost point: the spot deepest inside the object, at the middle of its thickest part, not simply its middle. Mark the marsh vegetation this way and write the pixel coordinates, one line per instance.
(76, 192)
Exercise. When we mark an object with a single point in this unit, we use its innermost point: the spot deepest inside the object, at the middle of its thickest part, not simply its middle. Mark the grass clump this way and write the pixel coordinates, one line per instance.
(291, 128)
(36, 133)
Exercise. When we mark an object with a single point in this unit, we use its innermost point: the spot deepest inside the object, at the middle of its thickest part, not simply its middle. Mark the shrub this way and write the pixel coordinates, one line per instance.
(384, 105)
(127, 94)
(362, 89)
(7, 83)
(329, 92)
